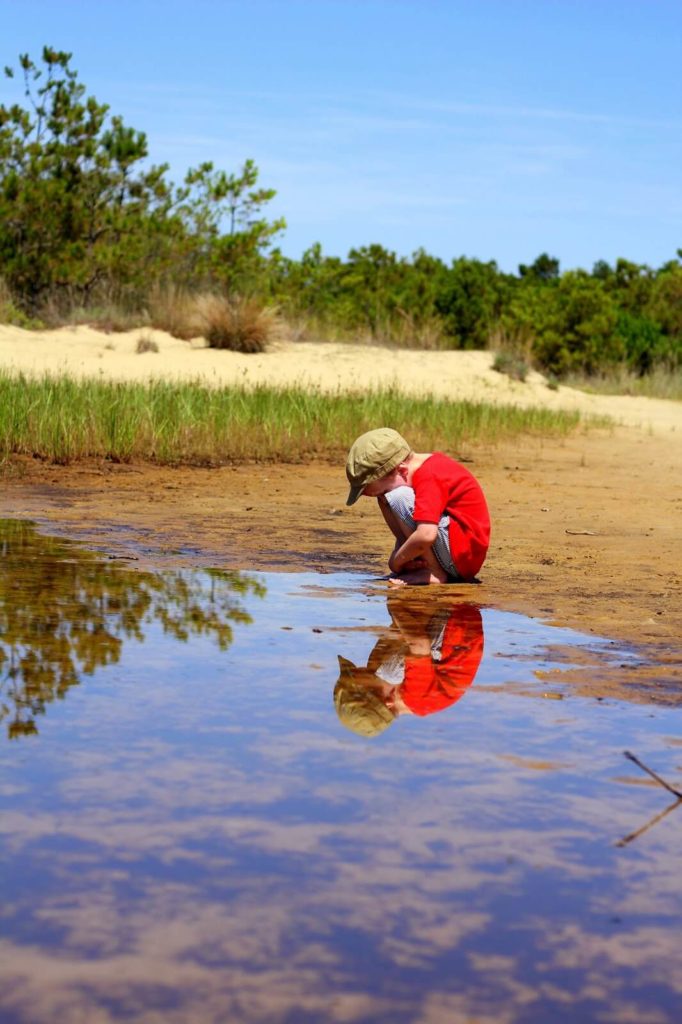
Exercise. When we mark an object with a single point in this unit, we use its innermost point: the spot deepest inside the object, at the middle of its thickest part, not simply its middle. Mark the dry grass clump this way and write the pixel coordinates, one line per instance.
(513, 352)
(238, 324)
(146, 344)
(241, 324)
(404, 330)
(108, 319)
(174, 310)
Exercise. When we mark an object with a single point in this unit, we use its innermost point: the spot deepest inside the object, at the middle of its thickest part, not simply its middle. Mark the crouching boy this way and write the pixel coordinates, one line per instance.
(434, 507)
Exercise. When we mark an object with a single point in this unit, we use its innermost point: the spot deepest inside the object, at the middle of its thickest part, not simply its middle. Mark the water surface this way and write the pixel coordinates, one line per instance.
(189, 830)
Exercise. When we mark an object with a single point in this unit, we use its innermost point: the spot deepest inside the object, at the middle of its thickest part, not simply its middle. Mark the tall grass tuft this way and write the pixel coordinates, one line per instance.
(174, 309)
(61, 420)
(241, 324)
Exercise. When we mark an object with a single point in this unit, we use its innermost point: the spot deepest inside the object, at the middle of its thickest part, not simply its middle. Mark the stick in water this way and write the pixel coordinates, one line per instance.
(649, 824)
(662, 782)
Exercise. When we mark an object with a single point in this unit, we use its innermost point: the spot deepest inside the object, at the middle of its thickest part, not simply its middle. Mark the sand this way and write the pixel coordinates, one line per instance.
(587, 531)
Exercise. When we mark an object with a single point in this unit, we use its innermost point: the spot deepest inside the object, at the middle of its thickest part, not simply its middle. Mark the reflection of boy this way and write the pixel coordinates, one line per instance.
(426, 667)
(436, 682)
(434, 507)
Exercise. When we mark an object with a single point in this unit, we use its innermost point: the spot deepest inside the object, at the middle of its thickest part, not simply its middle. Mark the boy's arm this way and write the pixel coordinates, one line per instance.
(418, 544)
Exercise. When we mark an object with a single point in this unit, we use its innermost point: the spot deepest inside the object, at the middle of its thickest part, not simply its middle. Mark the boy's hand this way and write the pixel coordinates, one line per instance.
(414, 547)
(414, 563)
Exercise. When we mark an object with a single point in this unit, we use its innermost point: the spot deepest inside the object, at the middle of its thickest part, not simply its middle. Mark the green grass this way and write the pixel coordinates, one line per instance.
(61, 419)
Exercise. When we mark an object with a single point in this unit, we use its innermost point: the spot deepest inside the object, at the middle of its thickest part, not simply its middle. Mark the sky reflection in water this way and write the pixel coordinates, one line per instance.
(193, 834)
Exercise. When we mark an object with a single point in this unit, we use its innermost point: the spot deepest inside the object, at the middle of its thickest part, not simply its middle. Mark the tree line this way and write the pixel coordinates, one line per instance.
(86, 219)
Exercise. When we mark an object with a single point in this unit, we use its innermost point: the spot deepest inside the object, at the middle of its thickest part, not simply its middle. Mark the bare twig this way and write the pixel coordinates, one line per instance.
(650, 824)
(649, 771)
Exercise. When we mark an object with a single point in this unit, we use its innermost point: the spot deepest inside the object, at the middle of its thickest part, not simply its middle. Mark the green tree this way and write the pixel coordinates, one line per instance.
(470, 300)
(544, 268)
(371, 277)
(311, 287)
(224, 217)
(577, 328)
(75, 209)
(665, 308)
(81, 212)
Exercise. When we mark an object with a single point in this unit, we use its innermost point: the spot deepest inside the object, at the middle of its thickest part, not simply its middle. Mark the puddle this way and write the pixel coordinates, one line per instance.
(253, 797)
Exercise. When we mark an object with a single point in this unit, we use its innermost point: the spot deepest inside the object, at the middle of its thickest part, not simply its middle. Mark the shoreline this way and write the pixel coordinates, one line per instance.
(562, 550)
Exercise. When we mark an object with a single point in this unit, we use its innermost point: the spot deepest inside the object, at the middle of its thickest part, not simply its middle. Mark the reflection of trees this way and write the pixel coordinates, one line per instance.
(65, 612)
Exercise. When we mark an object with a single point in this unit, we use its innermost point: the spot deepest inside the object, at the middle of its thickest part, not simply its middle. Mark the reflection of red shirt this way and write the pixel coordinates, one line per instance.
(434, 685)
(443, 485)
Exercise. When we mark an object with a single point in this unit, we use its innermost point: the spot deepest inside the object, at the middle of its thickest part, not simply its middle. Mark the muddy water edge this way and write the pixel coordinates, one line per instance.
(587, 531)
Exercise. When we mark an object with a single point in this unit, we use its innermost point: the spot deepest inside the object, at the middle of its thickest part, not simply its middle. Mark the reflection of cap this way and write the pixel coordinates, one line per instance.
(372, 456)
(358, 707)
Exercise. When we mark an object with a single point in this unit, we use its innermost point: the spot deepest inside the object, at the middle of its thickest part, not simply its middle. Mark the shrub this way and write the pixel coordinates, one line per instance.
(645, 343)
(146, 344)
(575, 327)
(514, 366)
(239, 324)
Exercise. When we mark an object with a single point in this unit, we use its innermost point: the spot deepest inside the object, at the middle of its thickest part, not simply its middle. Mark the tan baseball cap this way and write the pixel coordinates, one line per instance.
(372, 456)
(359, 708)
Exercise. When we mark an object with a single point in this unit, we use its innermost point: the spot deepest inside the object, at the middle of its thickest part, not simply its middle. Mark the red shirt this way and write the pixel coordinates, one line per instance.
(434, 685)
(442, 485)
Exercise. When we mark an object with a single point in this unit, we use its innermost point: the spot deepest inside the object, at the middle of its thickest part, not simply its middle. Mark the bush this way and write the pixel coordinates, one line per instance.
(645, 343)
(146, 344)
(239, 324)
(573, 323)
(512, 365)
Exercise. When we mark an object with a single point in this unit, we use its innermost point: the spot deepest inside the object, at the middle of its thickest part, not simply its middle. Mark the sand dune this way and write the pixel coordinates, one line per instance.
(84, 352)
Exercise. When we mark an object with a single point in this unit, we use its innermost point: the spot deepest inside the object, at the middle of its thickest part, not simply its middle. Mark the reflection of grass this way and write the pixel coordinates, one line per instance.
(62, 419)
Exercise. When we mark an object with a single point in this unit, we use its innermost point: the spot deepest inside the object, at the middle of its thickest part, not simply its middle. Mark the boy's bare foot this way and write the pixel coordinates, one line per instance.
(414, 578)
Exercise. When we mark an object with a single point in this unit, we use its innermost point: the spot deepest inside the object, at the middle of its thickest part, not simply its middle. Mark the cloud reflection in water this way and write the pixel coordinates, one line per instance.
(207, 842)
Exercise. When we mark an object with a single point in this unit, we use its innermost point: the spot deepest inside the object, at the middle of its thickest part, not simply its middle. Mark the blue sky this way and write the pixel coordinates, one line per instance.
(484, 128)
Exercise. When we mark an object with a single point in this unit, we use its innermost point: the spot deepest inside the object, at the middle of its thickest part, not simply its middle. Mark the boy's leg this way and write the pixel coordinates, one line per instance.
(400, 529)
(391, 519)
(398, 508)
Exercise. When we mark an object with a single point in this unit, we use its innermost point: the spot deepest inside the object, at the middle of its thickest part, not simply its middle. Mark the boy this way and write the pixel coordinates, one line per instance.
(433, 506)
(424, 664)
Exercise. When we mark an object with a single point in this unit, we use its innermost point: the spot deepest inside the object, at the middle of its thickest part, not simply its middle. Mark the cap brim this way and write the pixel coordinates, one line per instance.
(354, 493)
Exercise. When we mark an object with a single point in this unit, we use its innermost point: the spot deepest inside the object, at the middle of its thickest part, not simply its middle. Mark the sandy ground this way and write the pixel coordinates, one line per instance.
(587, 530)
